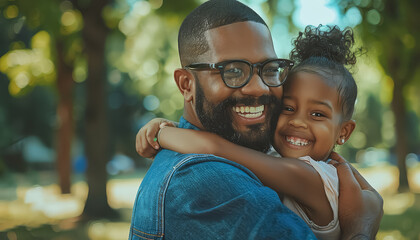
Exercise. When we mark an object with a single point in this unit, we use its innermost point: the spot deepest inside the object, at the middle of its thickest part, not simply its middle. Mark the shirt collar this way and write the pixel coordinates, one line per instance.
(183, 123)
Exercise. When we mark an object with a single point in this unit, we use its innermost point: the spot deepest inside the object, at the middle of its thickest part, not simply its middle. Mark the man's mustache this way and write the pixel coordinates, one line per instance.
(262, 100)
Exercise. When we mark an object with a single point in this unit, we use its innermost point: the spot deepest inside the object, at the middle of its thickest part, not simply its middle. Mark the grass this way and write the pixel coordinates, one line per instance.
(401, 219)
(402, 226)
(397, 227)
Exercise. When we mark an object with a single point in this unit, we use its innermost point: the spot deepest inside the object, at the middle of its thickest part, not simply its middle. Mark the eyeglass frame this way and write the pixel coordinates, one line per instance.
(220, 66)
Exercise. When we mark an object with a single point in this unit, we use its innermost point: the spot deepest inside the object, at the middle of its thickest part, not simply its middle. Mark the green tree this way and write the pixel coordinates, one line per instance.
(70, 34)
(97, 141)
(150, 55)
(391, 29)
(54, 44)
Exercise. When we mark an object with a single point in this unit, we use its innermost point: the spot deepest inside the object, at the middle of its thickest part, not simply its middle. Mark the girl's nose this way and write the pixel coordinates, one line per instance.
(298, 123)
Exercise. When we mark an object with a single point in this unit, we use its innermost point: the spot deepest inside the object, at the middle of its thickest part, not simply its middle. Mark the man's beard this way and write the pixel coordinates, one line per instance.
(217, 118)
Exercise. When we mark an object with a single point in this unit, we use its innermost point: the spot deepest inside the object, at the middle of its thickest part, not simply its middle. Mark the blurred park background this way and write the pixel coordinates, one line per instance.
(78, 78)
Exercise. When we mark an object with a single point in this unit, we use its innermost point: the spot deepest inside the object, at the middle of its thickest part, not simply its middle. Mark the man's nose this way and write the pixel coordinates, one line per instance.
(255, 86)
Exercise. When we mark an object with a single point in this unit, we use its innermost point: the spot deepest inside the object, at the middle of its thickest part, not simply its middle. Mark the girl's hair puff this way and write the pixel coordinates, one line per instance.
(325, 51)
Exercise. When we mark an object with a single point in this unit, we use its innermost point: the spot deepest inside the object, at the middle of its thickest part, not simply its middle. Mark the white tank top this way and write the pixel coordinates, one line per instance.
(329, 177)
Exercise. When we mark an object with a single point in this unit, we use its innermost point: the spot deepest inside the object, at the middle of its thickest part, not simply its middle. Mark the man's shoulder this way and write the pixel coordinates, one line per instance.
(201, 169)
(180, 160)
(206, 165)
(181, 189)
(211, 177)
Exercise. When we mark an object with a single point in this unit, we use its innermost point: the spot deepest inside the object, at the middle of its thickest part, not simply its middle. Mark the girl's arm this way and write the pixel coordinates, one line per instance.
(287, 176)
(146, 145)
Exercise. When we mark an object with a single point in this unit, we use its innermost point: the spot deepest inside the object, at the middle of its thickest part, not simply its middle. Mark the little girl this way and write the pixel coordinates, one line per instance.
(318, 103)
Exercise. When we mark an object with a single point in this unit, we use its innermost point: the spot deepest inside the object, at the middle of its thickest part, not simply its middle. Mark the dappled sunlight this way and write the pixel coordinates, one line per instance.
(15, 213)
(38, 205)
(398, 203)
(101, 230)
(71, 21)
(383, 178)
(414, 178)
(48, 200)
(390, 235)
(27, 67)
(122, 192)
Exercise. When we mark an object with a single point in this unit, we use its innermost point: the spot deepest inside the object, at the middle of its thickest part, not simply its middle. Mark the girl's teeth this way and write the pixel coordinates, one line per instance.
(297, 141)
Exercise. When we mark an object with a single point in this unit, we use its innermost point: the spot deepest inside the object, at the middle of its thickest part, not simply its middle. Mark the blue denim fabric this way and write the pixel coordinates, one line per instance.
(201, 196)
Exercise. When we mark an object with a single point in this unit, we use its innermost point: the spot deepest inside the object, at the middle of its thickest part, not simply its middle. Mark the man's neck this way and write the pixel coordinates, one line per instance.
(192, 118)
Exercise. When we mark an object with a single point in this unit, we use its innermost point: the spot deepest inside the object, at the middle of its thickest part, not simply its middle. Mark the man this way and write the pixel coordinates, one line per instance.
(224, 48)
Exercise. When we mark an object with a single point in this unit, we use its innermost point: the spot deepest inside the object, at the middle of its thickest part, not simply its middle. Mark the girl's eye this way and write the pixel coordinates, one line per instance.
(317, 114)
(287, 108)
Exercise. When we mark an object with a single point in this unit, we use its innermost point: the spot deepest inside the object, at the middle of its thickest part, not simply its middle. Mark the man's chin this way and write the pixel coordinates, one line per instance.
(254, 137)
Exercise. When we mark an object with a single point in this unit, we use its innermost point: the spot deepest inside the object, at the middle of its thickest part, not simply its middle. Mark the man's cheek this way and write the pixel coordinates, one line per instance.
(277, 92)
(235, 125)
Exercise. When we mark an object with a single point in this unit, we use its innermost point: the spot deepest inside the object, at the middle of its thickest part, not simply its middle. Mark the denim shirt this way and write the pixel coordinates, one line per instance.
(202, 196)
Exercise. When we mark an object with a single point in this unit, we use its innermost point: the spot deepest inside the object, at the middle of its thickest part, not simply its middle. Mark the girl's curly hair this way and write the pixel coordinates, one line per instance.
(325, 41)
(325, 51)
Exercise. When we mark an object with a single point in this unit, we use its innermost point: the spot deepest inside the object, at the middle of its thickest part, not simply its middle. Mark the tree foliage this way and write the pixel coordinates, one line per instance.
(390, 28)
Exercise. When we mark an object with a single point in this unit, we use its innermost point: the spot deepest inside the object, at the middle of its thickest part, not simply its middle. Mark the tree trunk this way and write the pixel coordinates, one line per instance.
(398, 107)
(65, 85)
(97, 130)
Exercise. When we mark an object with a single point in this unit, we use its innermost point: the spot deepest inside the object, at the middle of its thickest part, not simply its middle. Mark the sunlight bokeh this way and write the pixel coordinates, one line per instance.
(315, 12)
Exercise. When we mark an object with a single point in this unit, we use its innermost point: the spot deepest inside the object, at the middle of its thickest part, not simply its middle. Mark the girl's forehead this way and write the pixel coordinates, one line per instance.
(330, 76)
(304, 81)
(311, 87)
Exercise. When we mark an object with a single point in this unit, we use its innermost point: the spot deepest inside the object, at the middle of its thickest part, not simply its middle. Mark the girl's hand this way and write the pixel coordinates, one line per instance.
(146, 139)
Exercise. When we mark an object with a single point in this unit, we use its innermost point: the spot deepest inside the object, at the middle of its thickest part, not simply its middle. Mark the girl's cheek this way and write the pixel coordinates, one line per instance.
(277, 133)
(280, 123)
(276, 141)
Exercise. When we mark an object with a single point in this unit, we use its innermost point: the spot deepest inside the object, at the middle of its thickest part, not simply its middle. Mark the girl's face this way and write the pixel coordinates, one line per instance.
(310, 121)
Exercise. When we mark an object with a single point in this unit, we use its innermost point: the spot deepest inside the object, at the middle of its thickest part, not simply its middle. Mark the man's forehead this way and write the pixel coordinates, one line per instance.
(241, 40)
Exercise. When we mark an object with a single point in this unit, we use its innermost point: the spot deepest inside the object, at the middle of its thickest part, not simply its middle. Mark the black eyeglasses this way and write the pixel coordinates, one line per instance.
(237, 73)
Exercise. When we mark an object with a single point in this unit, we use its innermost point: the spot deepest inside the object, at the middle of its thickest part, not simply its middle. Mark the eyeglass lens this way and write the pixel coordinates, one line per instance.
(236, 74)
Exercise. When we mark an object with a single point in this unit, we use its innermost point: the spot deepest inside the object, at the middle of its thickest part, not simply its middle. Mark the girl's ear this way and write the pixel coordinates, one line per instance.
(185, 82)
(345, 132)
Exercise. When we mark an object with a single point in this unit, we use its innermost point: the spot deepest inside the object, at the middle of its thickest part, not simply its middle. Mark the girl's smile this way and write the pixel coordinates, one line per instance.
(310, 121)
(297, 141)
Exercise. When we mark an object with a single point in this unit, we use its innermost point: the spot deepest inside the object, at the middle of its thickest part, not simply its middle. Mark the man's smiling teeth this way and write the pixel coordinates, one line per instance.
(249, 112)
(297, 141)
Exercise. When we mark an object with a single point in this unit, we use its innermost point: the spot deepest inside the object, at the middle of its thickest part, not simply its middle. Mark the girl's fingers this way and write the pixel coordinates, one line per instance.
(143, 146)
(337, 157)
(166, 123)
(359, 178)
(151, 137)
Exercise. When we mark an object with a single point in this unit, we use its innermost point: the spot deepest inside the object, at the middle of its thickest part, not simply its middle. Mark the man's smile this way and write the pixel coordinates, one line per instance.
(249, 112)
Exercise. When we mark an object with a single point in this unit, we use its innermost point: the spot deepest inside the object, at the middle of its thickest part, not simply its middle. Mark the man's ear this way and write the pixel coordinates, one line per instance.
(185, 82)
(345, 132)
